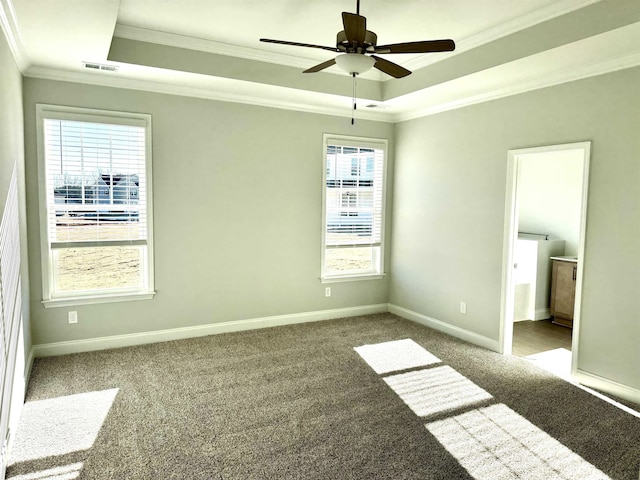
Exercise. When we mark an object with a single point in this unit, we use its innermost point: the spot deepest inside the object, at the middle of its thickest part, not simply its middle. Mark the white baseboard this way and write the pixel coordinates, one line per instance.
(128, 340)
(609, 386)
(452, 330)
(542, 314)
(27, 367)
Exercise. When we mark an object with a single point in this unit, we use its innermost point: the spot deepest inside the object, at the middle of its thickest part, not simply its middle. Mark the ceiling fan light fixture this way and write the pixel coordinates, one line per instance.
(355, 63)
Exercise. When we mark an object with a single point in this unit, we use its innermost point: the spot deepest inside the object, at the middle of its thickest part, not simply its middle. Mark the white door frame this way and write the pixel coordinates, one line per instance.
(511, 234)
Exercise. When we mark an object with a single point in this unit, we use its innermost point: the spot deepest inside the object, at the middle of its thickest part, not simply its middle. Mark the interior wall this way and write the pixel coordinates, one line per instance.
(449, 207)
(550, 195)
(237, 213)
(16, 337)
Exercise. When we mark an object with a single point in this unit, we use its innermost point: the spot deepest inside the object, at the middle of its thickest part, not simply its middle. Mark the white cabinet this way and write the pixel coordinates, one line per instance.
(532, 276)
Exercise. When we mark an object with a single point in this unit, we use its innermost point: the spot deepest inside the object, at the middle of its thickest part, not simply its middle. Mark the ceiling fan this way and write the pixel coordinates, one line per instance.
(358, 47)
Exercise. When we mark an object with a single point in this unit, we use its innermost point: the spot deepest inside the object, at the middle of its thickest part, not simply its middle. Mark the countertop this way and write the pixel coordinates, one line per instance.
(566, 258)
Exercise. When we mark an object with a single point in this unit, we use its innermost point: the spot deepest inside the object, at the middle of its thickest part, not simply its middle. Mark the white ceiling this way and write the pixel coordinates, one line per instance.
(503, 47)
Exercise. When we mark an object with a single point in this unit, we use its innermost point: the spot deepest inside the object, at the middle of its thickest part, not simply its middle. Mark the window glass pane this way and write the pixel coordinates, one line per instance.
(341, 260)
(370, 165)
(79, 227)
(355, 167)
(78, 269)
(349, 226)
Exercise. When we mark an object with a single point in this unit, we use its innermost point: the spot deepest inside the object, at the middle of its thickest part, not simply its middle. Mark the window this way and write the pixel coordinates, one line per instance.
(95, 201)
(355, 167)
(350, 199)
(353, 207)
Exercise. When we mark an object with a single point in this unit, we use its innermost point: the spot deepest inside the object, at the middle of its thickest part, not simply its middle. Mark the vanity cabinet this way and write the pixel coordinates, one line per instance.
(563, 291)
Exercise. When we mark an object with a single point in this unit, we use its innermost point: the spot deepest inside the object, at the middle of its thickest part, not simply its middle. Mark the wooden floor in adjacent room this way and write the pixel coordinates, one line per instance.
(530, 337)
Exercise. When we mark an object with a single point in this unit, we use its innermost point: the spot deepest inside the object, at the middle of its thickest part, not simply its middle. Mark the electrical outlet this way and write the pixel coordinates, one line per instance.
(73, 317)
(327, 292)
(463, 308)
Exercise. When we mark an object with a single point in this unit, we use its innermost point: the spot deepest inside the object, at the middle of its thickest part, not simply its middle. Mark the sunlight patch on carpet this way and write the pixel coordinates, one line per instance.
(436, 390)
(495, 442)
(66, 472)
(557, 361)
(61, 425)
(396, 355)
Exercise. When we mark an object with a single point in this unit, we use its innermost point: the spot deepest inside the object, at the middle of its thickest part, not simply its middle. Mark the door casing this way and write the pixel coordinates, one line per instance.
(511, 234)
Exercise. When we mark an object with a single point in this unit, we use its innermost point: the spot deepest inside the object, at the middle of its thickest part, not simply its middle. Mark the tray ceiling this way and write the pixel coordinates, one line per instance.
(211, 49)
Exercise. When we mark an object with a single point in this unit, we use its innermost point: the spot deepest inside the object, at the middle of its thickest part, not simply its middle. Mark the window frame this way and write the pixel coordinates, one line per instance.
(51, 298)
(378, 254)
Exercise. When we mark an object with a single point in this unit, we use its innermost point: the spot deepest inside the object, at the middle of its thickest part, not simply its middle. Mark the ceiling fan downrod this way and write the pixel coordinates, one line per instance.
(353, 112)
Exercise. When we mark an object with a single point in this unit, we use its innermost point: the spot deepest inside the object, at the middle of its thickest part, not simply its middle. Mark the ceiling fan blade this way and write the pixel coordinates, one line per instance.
(321, 66)
(355, 27)
(296, 44)
(426, 46)
(390, 68)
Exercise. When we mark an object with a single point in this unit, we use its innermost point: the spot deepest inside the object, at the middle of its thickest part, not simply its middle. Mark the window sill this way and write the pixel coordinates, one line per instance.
(352, 278)
(87, 300)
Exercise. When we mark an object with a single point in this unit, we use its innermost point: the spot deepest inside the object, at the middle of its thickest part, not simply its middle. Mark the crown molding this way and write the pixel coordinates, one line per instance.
(140, 34)
(121, 81)
(11, 30)
(544, 81)
(528, 20)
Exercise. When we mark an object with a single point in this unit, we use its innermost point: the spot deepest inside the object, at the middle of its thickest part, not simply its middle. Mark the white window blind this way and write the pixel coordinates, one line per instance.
(10, 305)
(9, 260)
(354, 196)
(95, 176)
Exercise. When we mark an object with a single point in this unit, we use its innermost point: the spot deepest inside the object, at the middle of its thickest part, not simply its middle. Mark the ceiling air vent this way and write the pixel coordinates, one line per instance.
(100, 66)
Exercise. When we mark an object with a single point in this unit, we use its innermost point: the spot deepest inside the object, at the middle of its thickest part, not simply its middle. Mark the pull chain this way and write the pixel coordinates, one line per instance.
(353, 112)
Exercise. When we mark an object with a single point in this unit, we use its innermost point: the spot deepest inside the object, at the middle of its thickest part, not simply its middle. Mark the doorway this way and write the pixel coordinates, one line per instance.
(545, 219)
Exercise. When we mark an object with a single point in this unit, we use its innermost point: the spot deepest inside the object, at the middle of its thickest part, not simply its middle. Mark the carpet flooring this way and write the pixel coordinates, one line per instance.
(300, 402)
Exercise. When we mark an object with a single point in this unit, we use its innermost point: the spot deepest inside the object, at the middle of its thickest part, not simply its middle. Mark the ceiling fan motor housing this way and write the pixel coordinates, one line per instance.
(343, 44)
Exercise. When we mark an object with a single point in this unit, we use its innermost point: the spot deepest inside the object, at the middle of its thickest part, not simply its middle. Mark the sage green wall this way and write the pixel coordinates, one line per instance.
(12, 157)
(449, 207)
(237, 192)
(237, 213)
